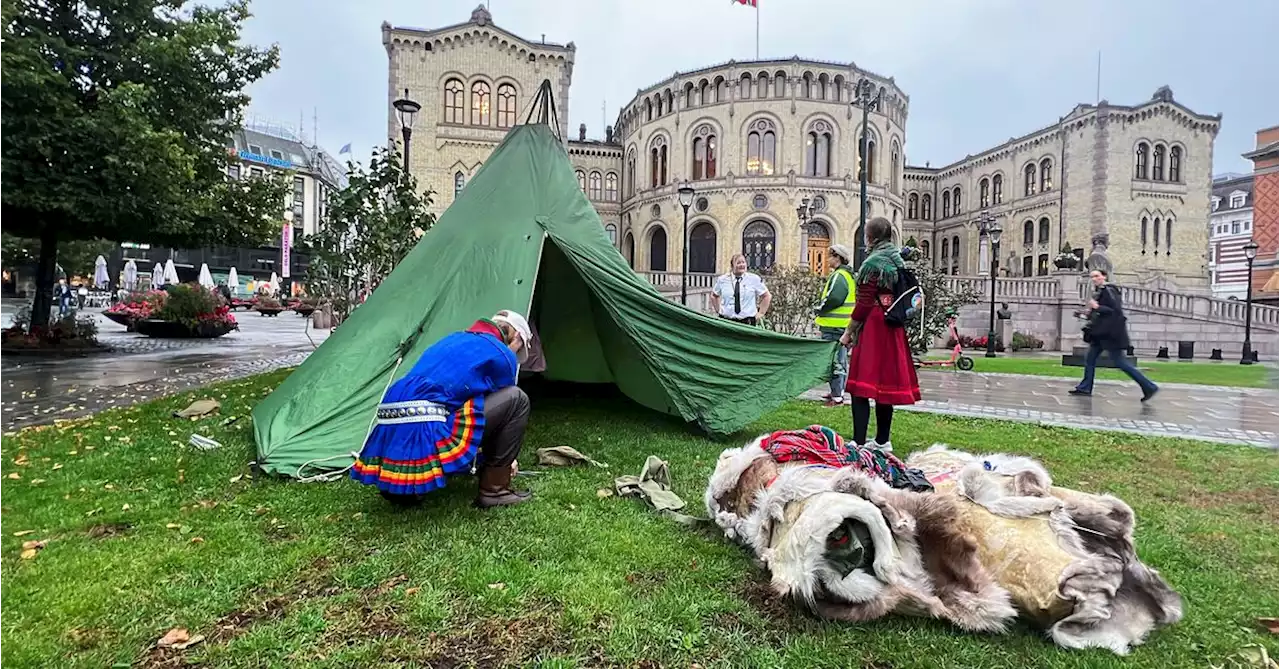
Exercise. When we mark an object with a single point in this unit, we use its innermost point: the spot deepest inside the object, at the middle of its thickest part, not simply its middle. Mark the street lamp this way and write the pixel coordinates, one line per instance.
(990, 228)
(406, 110)
(804, 214)
(1250, 252)
(685, 196)
(867, 96)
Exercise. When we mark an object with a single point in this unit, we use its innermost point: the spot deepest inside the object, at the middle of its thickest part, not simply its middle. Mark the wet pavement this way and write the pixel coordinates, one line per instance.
(39, 390)
(1247, 416)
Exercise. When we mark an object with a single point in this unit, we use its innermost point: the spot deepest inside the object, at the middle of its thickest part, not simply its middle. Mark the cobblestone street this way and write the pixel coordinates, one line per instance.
(139, 369)
(1211, 413)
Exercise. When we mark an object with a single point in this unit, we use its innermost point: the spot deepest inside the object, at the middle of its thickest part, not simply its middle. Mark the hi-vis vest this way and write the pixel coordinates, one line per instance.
(838, 317)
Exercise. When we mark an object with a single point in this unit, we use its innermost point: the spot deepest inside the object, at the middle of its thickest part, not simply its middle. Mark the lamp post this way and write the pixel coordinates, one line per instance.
(866, 97)
(685, 195)
(990, 228)
(1250, 252)
(804, 214)
(406, 111)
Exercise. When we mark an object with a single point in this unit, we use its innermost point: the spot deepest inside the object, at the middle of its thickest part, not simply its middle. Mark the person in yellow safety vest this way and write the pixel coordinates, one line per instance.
(834, 310)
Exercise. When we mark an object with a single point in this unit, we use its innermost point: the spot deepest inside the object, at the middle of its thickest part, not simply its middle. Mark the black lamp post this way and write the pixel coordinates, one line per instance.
(1250, 252)
(406, 110)
(866, 97)
(685, 195)
(990, 228)
(804, 214)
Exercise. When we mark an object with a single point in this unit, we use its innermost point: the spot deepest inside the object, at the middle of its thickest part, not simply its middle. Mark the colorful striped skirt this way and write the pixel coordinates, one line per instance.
(415, 444)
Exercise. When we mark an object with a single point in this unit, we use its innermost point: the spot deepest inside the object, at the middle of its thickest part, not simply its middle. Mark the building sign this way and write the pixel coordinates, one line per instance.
(265, 160)
(286, 242)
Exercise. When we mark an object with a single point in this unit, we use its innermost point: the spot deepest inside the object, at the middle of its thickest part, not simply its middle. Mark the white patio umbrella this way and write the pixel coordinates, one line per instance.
(170, 272)
(233, 281)
(157, 276)
(130, 275)
(205, 279)
(100, 276)
(275, 284)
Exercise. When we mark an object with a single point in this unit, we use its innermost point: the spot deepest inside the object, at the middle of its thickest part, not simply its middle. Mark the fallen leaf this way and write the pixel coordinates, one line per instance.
(236, 478)
(15, 475)
(109, 486)
(24, 533)
(35, 544)
(57, 466)
(28, 554)
(172, 526)
(603, 493)
(125, 507)
(174, 636)
(37, 481)
(497, 586)
(411, 591)
(197, 540)
(94, 512)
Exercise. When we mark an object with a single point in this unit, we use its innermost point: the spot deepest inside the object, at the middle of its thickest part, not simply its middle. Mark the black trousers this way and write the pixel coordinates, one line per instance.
(506, 414)
(749, 320)
(862, 420)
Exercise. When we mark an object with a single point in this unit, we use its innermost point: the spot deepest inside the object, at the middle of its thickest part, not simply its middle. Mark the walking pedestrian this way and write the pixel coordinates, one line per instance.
(834, 309)
(1107, 330)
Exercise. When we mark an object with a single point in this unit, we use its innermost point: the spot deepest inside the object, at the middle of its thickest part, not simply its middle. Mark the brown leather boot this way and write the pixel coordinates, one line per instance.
(495, 489)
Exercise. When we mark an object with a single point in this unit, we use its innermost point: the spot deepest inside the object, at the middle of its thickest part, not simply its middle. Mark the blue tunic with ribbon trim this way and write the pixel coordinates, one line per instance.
(430, 422)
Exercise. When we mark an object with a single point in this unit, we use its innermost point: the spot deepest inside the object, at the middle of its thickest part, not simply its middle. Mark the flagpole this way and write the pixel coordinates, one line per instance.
(757, 31)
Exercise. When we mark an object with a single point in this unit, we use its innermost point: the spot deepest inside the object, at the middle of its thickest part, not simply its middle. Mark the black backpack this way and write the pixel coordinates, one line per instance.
(908, 299)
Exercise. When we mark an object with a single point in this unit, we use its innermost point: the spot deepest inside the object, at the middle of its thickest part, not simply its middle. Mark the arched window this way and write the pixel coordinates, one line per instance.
(762, 85)
(648, 110)
(629, 249)
(1042, 264)
(955, 200)
(1168, 235)
(1028, 232)
(1140, 161)
(658, 250)
(1043, 237)
(453, 101)
(688, 95)
(612, 231)
(480, 103)
(722, 90)
(946, 248)
(838, 85)
(611, 187)
(704, 153)
(946, 203)
(762, 148)
(669, 102)
(895, 158)
(926, 207)
(744, 87)
(806, 86)
(1157, 163)
(658, 162)
(997, 188)
(924, 247)
(758, 245)
(1046, 175)
(817, 150)
(867, 159)
(582, 180)
(704, 93)
(1144, 235)
(822, 86)
(984, 193)
(913, 206)
(1029, 179)
(1175, 164)
(506, 106)
(594, 183)
(459, 180)
(702, 248)
(631, 172)
(779, 84)
(1156, 228)
(1027, 268)
(955, 249)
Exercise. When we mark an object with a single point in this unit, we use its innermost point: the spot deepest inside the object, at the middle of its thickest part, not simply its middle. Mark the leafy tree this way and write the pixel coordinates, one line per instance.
(940, 297)
(370, 226)
(74, 256)
(114, 121)
(795, 290)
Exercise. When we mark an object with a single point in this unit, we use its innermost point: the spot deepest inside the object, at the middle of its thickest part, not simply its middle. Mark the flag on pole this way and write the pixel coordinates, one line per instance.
(753, 4)
(345, 149)
(746, 2)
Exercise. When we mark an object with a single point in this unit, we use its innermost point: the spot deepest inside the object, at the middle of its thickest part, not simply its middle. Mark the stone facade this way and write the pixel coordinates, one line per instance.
(1266, 220)
(755, 139)
(1230, 228)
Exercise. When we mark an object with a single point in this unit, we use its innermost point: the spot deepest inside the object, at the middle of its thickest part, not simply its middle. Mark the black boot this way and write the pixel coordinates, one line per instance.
(495, 489)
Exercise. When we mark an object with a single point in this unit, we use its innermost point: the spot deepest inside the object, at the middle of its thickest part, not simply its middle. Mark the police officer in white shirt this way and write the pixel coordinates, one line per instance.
(742, 294)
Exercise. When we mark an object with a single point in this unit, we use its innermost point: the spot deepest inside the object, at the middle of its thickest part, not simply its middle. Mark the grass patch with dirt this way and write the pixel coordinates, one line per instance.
(143, 534)
(1203, 372)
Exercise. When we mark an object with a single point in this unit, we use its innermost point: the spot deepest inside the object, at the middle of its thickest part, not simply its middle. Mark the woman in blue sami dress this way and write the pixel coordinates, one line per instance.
(460, 402)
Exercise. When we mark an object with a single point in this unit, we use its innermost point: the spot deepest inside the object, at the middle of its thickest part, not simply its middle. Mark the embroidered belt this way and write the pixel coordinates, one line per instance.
(419, 411)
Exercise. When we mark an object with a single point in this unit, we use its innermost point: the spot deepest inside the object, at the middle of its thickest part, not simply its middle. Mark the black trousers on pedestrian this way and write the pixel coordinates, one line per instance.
(862, 420)
(506, 414)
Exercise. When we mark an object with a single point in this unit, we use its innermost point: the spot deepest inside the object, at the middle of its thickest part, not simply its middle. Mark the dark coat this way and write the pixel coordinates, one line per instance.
(1108, 328)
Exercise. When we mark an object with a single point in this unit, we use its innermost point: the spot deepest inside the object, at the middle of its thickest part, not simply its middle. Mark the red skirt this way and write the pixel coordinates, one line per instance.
(880, 365)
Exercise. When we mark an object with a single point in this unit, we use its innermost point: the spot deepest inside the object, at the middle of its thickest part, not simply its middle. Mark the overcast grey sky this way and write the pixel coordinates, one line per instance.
(977, 71)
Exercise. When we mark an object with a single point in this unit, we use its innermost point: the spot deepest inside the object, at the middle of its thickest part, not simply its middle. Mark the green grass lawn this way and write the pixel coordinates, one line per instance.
(1226, 373)
(145, 534)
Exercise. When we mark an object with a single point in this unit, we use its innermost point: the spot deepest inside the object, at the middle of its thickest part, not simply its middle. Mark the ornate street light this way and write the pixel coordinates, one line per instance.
(989, 227)
(1246, 355)
(866, 96)
(685, 195)
(406, 111)
(804, 214)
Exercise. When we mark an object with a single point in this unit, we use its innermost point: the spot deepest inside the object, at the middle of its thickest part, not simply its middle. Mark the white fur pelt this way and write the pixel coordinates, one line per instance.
(1116, 599)
(793, 509)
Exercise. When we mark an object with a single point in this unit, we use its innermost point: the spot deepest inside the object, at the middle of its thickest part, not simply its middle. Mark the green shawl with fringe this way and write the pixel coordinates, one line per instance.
(882, 265)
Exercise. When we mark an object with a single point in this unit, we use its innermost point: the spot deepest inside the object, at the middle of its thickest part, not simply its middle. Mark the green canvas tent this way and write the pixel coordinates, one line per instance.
(523, 236)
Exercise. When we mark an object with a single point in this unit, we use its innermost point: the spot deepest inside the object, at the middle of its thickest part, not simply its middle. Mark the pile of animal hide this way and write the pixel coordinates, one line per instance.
(994, 540)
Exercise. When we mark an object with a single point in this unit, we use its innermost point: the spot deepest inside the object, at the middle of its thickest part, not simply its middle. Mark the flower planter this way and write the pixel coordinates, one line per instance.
(304, 310)
(269, 311)
(120, 319)
(170, 330)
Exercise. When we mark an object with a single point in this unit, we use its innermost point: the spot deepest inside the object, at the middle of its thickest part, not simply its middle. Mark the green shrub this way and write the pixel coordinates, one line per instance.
(188, 303)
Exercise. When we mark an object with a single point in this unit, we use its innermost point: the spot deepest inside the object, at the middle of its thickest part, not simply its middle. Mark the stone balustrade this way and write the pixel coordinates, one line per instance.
(1196, 306)
(668, 280)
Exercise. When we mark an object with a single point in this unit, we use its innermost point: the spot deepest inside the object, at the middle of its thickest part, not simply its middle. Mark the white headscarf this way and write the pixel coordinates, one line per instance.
(521, 326)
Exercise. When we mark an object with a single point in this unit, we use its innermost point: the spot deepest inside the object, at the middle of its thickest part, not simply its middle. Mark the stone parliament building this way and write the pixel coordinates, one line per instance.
(755, 138)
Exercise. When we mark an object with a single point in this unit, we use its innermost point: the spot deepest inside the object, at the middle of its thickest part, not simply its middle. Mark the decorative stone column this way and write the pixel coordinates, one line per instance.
(1069, 302)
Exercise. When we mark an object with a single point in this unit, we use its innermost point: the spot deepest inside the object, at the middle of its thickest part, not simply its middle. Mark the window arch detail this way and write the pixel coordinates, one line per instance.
(762, 147)
(453, 103)
(480, 103)
(818, 149)
(706, 150)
